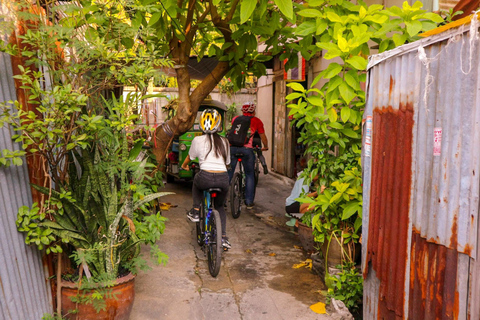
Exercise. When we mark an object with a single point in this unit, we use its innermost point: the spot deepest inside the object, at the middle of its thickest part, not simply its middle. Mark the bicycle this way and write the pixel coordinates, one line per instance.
(237, 185)
(209, 231)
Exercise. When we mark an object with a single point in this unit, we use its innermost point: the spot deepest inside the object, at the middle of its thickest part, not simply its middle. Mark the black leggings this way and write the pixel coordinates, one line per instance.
(205, 180)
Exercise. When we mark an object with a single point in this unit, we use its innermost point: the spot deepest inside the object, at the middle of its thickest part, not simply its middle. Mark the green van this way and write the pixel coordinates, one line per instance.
(181, 144)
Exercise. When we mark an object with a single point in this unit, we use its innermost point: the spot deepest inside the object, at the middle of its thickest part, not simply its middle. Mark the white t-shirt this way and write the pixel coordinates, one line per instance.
(199, 148)
(297, 190)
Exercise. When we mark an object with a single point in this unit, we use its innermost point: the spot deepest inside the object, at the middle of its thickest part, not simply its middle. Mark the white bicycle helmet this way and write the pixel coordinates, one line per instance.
(210, 120)
(249, 107)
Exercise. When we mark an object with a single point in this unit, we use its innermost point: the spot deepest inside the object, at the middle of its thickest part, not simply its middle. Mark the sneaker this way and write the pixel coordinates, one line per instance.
(249, 206)
(226, 244)
(193, 215)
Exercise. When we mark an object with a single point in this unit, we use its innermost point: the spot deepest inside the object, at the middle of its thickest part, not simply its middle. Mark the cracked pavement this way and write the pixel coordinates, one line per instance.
(256, 279)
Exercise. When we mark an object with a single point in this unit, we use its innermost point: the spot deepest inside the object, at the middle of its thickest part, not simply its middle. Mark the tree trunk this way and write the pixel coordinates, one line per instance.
(188, 105)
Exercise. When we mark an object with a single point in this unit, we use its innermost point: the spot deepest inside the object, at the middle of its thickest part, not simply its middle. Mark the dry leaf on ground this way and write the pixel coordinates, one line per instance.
(318, 307)
(307, 264)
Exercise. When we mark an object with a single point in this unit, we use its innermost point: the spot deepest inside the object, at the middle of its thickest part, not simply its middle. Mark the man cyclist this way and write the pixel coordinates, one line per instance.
(248, 160)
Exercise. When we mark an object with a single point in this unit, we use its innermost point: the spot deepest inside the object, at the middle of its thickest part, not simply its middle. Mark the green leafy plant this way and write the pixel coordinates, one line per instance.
(338, 208)
(346, 286)
(329, 113)
(231, 112)
(75, 60)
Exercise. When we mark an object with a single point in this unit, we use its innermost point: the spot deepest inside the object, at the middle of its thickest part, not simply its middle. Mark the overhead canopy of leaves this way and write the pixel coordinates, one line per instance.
(229, 30)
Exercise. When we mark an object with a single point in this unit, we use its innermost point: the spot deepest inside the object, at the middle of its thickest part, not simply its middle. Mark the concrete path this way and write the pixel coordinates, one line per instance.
(256, 279)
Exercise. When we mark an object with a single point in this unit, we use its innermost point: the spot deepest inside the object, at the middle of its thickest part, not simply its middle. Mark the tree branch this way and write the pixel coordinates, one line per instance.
(232, 10)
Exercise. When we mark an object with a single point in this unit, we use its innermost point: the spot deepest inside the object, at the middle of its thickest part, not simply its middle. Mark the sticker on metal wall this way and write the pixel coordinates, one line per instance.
(437, 141)
(368, 136)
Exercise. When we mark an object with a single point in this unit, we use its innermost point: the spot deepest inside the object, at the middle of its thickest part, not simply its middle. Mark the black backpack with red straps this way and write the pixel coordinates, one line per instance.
(238, 135)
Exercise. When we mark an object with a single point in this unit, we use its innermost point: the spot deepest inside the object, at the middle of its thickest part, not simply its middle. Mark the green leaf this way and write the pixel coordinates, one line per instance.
(332, 70)
(246, 9)
(414, 27)
(346, 92)
(384, 45)
(306, 28)
(433, 16)
(332, 16)
(352, 81)
(321, 26)
(309, 13)
(128, 42)
(315, 3)
(358, 223)
(350, 133)
(399, 39)
(316, 100)
(154, 18)
(358, 62)
(332, 115)
(336, 125)
(350, 209)
(91, 34)
(336, 197)
(286, 7)
(296, 86)
(292, 96)
(345, 114)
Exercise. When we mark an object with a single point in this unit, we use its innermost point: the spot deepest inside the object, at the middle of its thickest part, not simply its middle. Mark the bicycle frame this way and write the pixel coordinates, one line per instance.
(207, 212)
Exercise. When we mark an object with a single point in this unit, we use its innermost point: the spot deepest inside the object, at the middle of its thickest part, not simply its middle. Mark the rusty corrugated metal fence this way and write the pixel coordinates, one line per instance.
(24, 292)
(421, 160)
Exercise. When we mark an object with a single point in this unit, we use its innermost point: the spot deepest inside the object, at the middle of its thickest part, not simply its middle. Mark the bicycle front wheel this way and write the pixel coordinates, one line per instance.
(236, 196)
(215, 249)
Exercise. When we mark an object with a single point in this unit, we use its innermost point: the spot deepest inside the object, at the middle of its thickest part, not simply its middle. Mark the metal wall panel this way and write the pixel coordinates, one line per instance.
(421, 180)
(24, 292)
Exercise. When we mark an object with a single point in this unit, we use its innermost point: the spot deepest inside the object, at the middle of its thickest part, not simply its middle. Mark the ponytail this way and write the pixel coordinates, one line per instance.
(219, 145)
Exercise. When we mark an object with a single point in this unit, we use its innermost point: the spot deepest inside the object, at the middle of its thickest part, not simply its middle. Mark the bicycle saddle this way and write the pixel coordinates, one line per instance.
(214, 190)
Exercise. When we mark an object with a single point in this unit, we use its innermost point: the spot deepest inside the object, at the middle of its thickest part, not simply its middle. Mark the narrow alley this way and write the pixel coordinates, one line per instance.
(256, 280)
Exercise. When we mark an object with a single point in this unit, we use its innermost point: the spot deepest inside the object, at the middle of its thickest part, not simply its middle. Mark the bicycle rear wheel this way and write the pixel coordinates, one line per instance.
(215, 249)
(236, 196)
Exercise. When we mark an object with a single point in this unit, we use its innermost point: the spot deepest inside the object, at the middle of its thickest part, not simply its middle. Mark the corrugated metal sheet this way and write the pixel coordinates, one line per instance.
(421, 180)
(24, 291)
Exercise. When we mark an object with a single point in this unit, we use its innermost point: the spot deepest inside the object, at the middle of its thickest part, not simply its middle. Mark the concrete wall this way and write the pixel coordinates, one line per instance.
(265, 110)
(154, 106)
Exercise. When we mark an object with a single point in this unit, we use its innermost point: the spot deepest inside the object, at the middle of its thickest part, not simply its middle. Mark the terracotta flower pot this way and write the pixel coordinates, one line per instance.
(118, 304)
(305, 235)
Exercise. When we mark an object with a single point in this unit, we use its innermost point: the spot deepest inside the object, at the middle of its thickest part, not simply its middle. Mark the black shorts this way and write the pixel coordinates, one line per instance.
(293, 208)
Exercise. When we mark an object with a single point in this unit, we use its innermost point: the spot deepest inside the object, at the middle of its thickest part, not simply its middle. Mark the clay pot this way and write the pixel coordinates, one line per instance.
(334, 257)
(305, 235)
(119, 302)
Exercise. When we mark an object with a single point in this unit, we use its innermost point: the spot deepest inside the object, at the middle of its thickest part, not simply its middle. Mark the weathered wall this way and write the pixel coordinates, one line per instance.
(24, 290)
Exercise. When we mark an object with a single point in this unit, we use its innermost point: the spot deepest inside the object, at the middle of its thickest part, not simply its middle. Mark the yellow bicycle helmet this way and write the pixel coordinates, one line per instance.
(210, 120)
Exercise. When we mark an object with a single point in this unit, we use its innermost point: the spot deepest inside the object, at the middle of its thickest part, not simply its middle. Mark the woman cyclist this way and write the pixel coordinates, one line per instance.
(213, 153)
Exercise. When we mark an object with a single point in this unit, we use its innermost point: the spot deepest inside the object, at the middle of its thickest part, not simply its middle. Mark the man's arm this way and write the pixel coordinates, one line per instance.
(264, 141)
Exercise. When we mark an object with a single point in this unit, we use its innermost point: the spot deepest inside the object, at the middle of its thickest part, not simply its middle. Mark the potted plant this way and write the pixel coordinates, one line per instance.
(94, 220)
(72, 61)
(336, 218)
